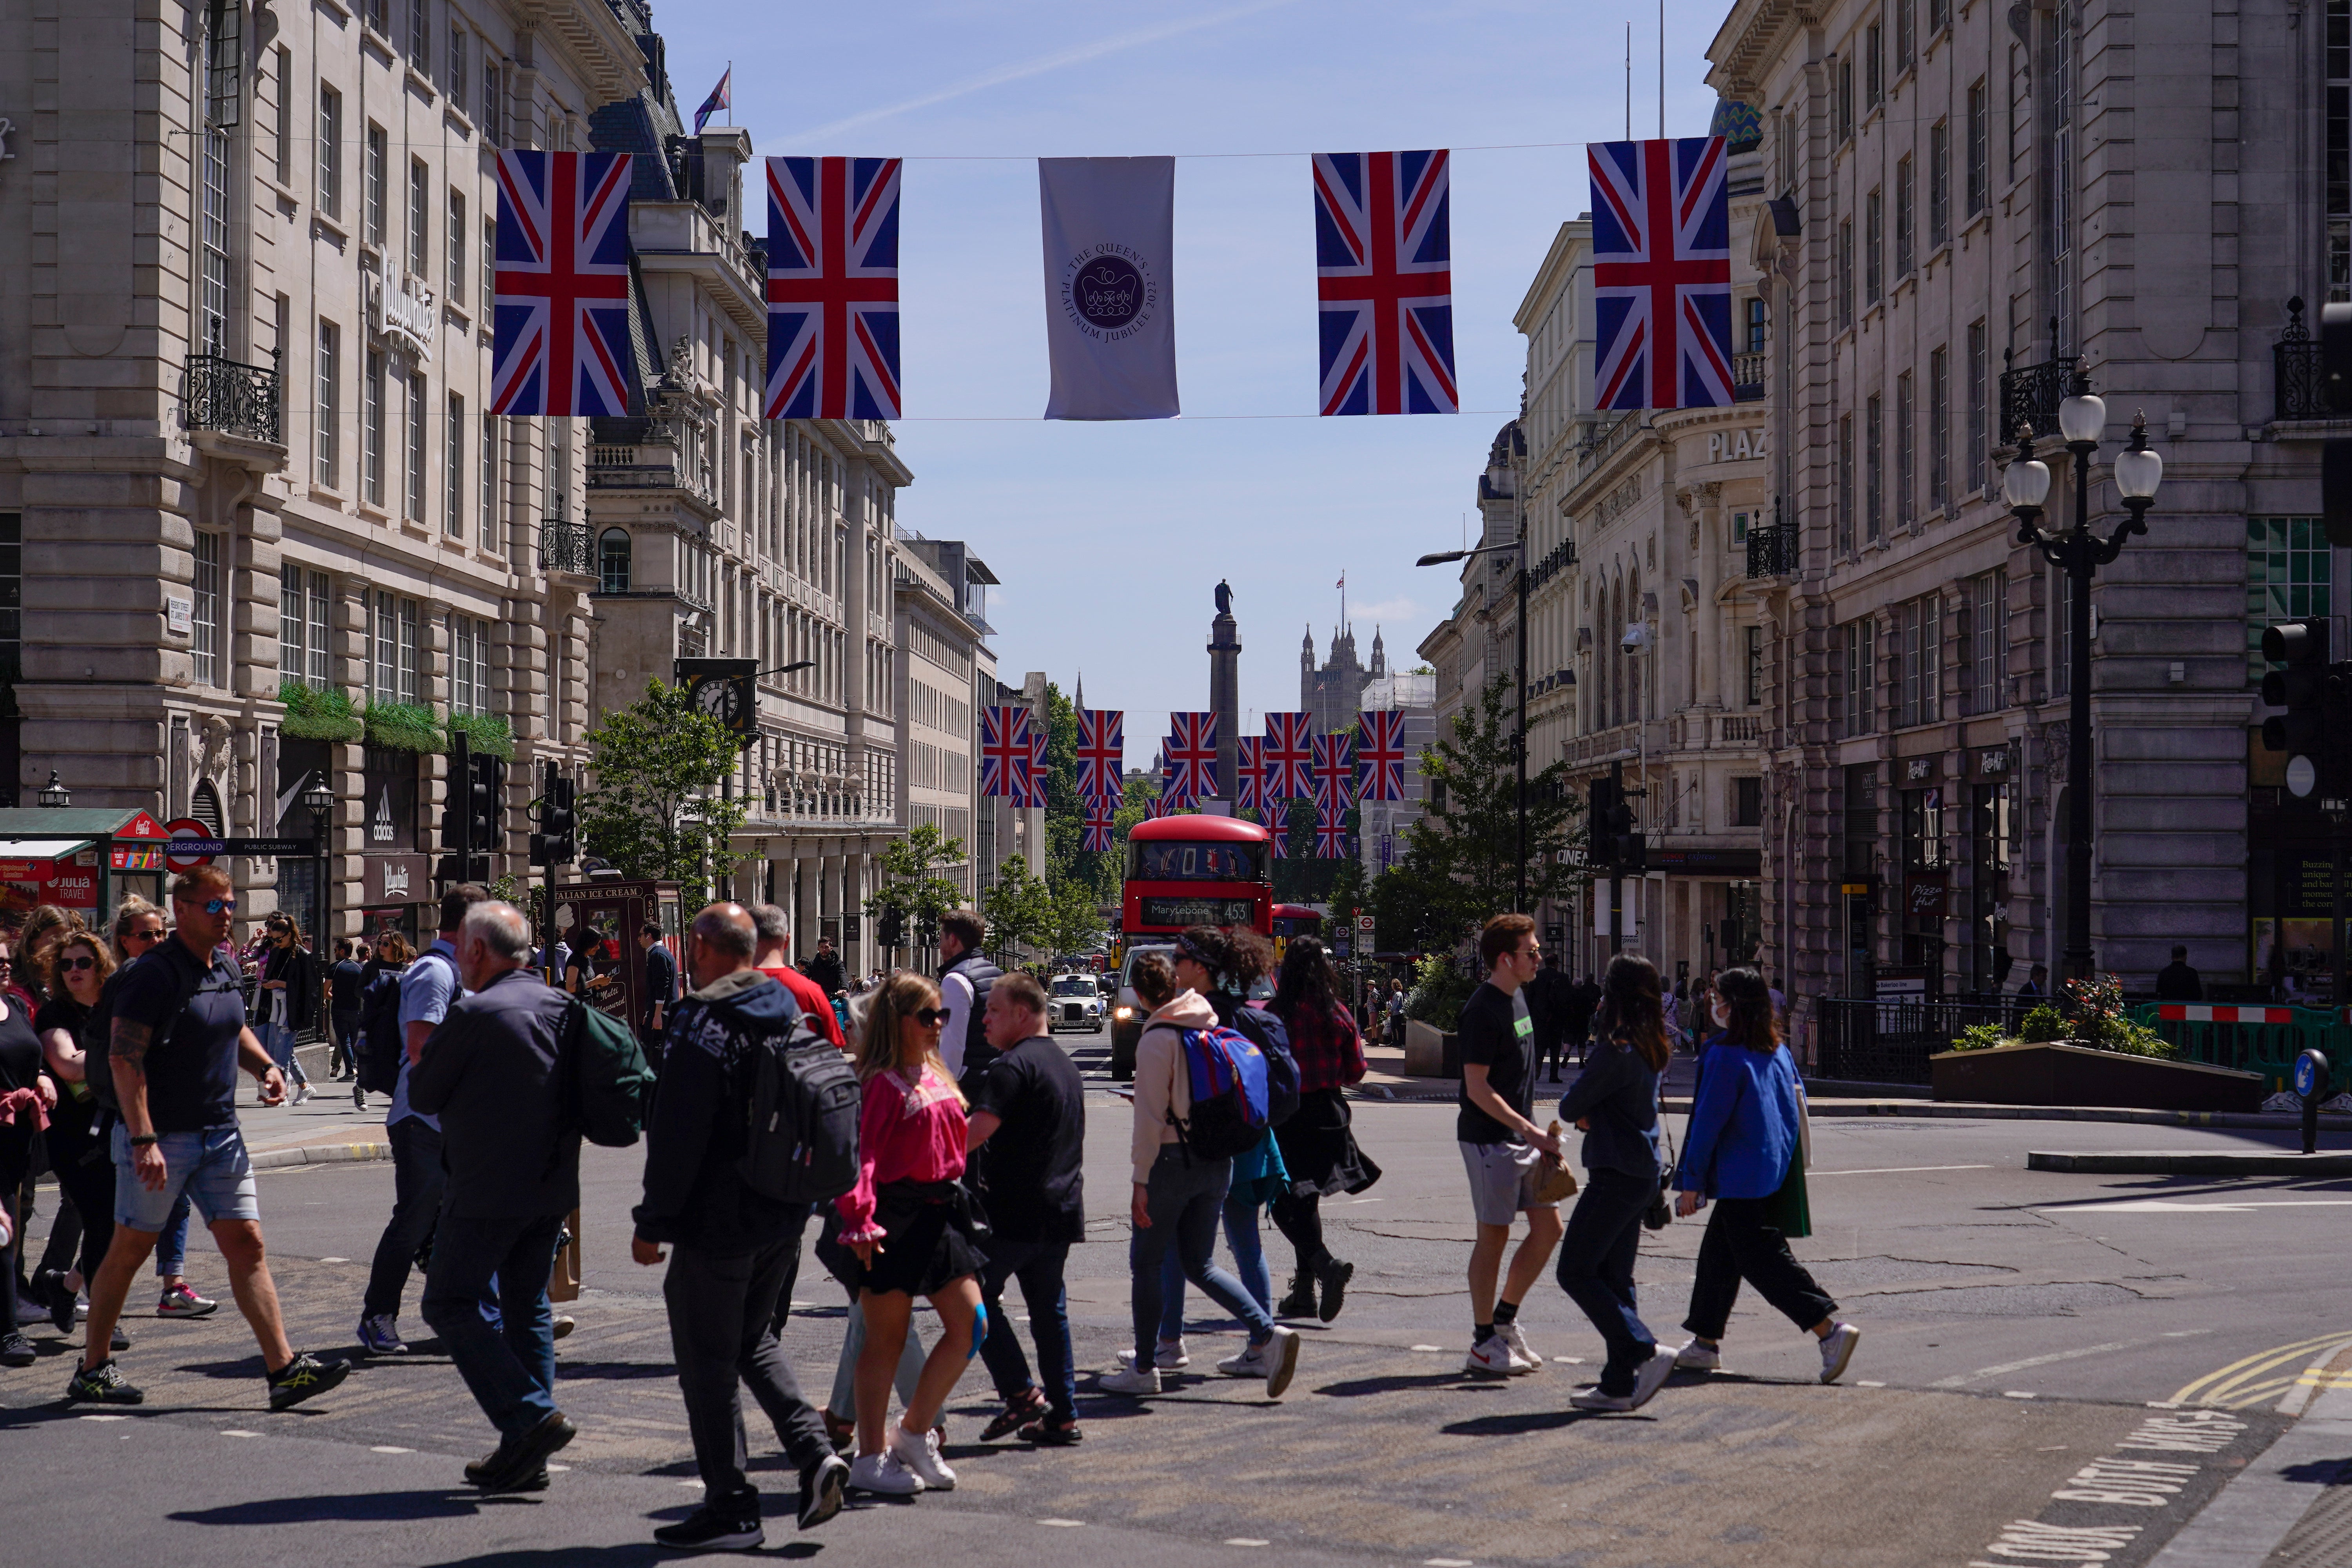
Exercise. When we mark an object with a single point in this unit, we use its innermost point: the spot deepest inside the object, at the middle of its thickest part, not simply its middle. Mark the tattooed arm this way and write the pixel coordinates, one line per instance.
(127, 1056)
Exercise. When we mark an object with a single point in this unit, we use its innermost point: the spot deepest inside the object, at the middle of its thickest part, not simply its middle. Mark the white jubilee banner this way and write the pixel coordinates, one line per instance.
(1110, 323)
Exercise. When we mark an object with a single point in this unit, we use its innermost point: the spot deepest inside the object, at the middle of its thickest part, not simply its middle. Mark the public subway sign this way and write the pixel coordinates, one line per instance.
(1730, 445)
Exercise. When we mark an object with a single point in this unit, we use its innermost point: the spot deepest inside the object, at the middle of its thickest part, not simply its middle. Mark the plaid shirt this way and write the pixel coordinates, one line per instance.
(1330, 1051)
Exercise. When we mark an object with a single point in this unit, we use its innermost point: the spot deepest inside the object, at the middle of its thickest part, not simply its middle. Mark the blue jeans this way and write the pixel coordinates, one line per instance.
(1038, 1266)
(1596, 1269)
(1182, 1201)
(172, 1241)
(277, 1039)
(510, 1369)
(1249, 1265)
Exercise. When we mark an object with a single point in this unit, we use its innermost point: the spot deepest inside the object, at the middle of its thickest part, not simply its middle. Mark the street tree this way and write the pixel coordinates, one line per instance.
(1016, 906)
(909, 883)
(653, 806)
(1072, 917)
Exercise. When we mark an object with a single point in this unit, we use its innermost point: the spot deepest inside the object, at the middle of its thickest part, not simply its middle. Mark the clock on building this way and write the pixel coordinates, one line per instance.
(725, 688)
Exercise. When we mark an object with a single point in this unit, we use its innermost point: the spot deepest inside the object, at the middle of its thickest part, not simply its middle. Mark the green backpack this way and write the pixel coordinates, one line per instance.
(608, 1085)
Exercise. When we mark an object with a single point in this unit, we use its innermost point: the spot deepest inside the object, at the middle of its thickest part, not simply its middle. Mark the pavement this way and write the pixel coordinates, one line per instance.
(2033, 1343)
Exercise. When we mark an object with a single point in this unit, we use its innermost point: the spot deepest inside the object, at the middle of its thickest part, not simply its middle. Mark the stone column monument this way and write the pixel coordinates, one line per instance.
(1224, 691)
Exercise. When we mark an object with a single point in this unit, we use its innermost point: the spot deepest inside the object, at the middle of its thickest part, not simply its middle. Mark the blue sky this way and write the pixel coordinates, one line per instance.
(1110, 538)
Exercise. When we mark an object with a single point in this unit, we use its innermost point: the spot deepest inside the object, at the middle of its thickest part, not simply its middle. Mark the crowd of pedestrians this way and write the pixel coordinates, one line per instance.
(119, 1061)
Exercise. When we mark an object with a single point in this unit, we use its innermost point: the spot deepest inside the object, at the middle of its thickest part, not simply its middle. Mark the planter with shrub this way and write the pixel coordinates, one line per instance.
(2097, 1056)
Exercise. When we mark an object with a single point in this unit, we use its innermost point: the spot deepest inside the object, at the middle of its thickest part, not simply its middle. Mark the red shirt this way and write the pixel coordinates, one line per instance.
(812, 1001)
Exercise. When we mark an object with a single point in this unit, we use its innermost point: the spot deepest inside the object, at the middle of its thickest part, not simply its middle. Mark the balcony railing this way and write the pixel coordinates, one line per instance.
(217, 393)
(566, 547)
(1747, 377)
(1772, 550)
(2030, 394)
(2298, 384)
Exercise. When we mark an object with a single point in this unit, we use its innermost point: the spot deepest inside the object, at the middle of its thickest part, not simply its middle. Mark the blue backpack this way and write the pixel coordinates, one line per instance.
(1272, 1037)
(1228, 1076)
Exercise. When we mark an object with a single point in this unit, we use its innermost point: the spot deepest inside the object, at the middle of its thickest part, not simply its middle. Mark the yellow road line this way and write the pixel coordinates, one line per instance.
(2215, 1386)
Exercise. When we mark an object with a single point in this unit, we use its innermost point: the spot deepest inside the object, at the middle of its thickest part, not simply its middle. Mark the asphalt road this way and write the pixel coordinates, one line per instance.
(2017, 1326)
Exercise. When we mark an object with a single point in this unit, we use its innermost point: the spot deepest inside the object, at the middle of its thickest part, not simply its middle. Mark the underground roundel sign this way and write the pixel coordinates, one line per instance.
(186, 827)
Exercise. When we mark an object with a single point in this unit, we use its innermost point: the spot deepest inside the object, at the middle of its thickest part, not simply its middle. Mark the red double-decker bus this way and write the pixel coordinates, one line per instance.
(1185, 871)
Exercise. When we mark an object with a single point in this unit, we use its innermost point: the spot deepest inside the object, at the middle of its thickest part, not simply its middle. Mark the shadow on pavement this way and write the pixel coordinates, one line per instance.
(1520, 1422)
(355, 1507)
(1361, 1387)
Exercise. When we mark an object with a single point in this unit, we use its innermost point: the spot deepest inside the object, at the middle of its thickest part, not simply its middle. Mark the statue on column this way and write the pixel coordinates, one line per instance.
(1224, 597)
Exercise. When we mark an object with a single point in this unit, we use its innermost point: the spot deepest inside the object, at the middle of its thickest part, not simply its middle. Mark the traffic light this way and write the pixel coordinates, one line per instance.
(893, 928)
(485, 815)
(2335, 456)
(2317, 697)
(557, 842)
(1601, 802)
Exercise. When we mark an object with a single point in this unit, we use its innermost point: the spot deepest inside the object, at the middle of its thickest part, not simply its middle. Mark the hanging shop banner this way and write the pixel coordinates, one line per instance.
(1384, 274)
(833, 288)
(1109, 227)
(1661, 274)
(561, 319)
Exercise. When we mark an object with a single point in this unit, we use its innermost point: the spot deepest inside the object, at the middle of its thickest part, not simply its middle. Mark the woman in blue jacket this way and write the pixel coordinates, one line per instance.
(1745, 1127)
(1615, 1101)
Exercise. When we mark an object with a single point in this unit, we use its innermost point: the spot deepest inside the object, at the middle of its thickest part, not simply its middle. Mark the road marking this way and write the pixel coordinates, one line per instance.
(1064, 1523)
(692, 1486)
(334, 1260)
(1865, 1383)
(1245, 1541)
(106, 1418)
(2171, 1205)
(2236, 1383)
(2031, 1362)
(233, 1432)
(388, 1449)
(1446, 1563)
(2012, 1394)
(1569, 1359)
(1440, 1349)
(557, 1469)
(1894, 1171)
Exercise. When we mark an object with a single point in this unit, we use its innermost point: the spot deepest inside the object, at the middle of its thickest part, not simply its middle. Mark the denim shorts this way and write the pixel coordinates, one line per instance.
(210, 1166)
(1502, 1180)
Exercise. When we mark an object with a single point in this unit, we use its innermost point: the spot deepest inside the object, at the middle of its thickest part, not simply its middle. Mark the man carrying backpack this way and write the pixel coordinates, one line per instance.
(733, 1248)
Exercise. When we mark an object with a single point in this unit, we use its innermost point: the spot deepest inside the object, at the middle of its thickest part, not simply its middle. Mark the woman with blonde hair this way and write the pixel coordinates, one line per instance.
(910, 1224)
(76, 1135)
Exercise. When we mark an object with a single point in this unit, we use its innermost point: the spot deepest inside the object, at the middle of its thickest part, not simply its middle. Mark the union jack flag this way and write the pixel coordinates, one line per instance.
(833, 288)
(1157, 806)
(1102, 753)
(1249, 788)
(1380, 755)
(1385, 273)
(1661, 274)
(1289, 756)
(1004, 753)
(1335, 774)
(1330, 837)
(1099, 835)
(1041, 771)
(561, 315)
(1278, 822)
(1191, 757)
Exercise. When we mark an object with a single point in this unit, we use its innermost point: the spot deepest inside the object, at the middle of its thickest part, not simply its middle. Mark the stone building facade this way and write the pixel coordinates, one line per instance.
(1962, 189)
(1329, 694)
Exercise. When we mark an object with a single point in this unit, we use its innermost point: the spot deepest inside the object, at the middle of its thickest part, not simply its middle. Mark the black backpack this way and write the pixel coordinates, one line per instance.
(800, 1144)
(381, 1049)
(1272, 1037)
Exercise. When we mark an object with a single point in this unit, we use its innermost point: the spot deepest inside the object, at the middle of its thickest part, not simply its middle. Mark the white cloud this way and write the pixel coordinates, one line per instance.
(1397, 611)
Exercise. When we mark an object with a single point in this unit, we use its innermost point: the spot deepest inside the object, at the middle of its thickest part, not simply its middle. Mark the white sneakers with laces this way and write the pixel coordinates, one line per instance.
(1699, 1356)
(1493, 1357)
(1837, 1348)
(919, 1453)
(883, 1473)
(1129, 1380)
(1511, 1334)
(1275, 1361)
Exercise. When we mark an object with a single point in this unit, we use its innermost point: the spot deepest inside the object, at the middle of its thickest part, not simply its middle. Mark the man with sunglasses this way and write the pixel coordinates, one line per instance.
(177, 1038)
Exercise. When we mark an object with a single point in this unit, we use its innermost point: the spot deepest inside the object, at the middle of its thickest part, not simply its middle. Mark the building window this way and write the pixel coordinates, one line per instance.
(1747, 801)
(326, 420)
(1939, 16)
(379, 154)
(417, 424)
(1940, 184)
(1860, 676)
(204, 591)
(1873, 245)
(491, 483)
(1940, 428)
(2338, 194)
(1845, 272)
(490, 264)
(1846, 96)
(1972, 468)
(1874, 466)
(386, 687)
(613, 561)
(284, 160)
(457, 279)
(213, 296)
(453, 524)
(293, 610)
(1904, 46)
(1993, 830)
(1755, 325)
(457, 65)
(1978, 182)
(1903, 236)
(493, 84)
(1755, 635)
(1906, 505)
(1988, 598)
(420, 219)
(2287, 568)
(2059, 174)
(420, 36)
(408, 651)
(1845, 484)
(1875, 87)
(1921, 700)
(469, 687)
(322, 611)
(372, 393)
(330, 151)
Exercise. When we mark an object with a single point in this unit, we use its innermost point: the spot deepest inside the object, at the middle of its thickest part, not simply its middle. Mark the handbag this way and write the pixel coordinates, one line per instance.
(1660, 1212)
(1788, 1210)
(1554, 1179)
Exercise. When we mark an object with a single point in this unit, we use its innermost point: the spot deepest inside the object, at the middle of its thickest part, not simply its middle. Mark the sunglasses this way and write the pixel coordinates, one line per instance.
(929, 1017)
(142, 936)
(72, 964)
(220, 906)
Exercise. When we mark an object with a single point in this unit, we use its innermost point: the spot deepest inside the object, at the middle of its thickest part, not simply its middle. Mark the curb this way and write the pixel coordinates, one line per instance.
(1441, 1090)
(2211, 1165)
(320, 1154)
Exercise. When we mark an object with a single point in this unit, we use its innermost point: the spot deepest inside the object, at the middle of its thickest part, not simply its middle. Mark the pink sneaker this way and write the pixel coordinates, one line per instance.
(180, 1301)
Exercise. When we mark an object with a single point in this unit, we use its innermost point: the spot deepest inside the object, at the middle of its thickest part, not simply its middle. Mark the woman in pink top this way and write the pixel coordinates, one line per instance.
(910, 1224)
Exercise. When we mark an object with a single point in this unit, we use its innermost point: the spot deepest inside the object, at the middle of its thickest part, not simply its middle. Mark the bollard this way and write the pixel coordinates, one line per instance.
(2311, 1083)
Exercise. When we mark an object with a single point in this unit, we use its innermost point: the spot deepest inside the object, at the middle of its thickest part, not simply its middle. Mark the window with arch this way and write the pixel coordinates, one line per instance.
(207, 807)
(613, 555)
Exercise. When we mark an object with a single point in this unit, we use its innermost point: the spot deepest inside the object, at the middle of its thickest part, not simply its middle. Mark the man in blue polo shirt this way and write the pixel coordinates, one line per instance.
(177, 1039)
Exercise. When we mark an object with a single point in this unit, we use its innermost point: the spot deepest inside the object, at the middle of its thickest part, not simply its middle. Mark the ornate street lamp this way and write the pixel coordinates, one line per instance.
(54, 795)
(320, 802)
(2079, 553)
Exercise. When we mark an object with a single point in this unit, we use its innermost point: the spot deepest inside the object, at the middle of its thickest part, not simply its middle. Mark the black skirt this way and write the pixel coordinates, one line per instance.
(933, 1234)
(1319, 1147)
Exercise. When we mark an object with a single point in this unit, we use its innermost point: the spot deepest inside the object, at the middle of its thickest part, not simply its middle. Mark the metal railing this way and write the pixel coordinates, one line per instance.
(1771, 550)
(2298, 382)
(1870, 1041)
(218, 394)
(566, 547)
(2030, 394)
(1747, 377)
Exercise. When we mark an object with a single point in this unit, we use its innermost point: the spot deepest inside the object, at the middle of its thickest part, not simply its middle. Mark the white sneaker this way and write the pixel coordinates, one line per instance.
(1129, 1380)
(883, 1473)
(1275, 1361)
(920, 1452)
(1593, 1399)
(1837, 1349)
(1512, 1335)
(302, 1093)
(1650, 1376)
(1492, 1357)
(1168, 1355)
(1699, 1356)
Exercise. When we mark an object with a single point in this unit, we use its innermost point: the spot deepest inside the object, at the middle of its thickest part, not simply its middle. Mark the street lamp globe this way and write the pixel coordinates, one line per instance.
(319, 799)
(54, 795)
(2082, 419)
(2137, 469)
(2026, 485)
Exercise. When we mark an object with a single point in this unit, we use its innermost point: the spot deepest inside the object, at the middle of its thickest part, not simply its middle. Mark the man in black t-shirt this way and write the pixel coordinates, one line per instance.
(177, 1039)
(343, 987)
(1029, 1109)
(1501, 1144)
